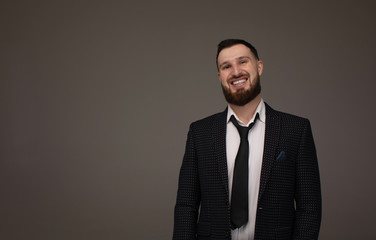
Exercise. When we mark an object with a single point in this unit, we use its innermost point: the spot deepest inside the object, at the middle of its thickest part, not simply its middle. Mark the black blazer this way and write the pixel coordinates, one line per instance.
(289, 203)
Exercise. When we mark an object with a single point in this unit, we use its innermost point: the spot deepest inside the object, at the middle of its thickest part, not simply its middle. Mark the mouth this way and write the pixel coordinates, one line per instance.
(239, 82)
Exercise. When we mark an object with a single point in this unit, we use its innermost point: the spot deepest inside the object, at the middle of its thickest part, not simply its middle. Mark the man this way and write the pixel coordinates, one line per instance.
(261, 185)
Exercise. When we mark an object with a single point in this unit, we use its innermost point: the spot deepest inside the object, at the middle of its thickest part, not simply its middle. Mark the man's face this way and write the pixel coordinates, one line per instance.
(239, 73)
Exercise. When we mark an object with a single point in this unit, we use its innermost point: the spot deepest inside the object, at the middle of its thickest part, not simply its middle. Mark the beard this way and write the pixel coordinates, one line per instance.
(241, 97)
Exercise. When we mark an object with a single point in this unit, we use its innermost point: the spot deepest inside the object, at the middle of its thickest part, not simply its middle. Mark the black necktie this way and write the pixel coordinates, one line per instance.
(239, 196)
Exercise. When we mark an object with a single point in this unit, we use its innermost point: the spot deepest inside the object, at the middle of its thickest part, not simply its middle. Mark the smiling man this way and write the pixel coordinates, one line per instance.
(249, 172)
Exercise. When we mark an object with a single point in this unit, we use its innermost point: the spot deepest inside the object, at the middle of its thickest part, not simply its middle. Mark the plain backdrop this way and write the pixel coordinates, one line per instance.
(96, 98)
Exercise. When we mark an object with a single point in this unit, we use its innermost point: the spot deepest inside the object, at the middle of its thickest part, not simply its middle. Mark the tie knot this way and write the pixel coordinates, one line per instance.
(243, 131)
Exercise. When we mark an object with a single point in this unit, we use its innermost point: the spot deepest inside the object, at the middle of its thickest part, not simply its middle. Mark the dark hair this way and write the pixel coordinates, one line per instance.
(231, 42)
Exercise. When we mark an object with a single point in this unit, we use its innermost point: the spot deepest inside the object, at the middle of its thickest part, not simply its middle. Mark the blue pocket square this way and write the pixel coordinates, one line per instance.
(281, 156)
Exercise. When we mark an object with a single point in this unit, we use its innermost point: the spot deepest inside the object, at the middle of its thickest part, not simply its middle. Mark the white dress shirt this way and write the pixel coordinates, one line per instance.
(256, 138)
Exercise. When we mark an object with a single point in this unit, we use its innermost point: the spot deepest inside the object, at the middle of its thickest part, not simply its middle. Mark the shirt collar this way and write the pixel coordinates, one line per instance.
(260, 110)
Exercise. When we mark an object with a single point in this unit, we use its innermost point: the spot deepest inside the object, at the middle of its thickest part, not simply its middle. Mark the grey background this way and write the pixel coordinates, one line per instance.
(96, 99)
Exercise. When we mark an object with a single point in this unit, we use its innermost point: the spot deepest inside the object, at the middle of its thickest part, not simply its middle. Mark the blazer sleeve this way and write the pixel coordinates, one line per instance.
(308, 192)
(188, 196)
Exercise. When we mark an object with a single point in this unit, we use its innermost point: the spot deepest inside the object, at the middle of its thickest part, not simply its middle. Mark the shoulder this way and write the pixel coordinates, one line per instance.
(210, 121)
(286, 118)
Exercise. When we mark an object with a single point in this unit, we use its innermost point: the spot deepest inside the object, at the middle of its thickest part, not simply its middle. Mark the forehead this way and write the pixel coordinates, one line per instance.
(234, 52)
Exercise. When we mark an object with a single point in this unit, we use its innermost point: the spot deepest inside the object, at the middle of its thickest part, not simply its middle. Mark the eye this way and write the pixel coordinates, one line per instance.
(226, 67)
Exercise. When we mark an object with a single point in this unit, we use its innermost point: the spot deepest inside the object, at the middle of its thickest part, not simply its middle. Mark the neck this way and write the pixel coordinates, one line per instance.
(246, 112)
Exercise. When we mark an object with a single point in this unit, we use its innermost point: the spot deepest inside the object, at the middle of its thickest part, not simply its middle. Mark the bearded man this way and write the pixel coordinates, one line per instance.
(250, 172)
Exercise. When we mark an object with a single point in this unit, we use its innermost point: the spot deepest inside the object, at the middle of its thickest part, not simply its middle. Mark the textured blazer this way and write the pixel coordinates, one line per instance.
(289, 202)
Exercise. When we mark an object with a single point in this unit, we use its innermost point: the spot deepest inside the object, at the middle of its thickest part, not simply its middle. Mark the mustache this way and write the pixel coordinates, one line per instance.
(240, 75)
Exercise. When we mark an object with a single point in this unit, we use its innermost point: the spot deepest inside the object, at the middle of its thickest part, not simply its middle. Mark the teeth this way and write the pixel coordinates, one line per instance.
(238, 82)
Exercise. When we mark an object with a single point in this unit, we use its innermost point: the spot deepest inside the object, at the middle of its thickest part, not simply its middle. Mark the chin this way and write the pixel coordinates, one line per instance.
(241, 96)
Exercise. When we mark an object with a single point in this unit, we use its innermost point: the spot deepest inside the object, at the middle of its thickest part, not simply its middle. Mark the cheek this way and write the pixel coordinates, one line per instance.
(224, 77)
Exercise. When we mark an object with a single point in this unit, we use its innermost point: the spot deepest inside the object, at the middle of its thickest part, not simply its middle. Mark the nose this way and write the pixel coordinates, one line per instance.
(236, 70)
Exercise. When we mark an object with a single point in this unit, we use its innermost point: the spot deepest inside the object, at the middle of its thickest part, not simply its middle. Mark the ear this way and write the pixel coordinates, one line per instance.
(260, 67)
(219, 76)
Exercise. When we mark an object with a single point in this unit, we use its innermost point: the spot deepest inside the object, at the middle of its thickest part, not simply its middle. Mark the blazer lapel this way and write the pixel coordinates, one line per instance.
(219, 140)
(272, 131)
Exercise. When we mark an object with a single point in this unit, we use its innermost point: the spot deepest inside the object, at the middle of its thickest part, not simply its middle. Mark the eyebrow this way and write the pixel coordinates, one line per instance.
(239, 58)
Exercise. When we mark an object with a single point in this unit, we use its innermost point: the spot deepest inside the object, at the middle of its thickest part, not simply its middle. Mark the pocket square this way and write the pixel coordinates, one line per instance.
(281, 156)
